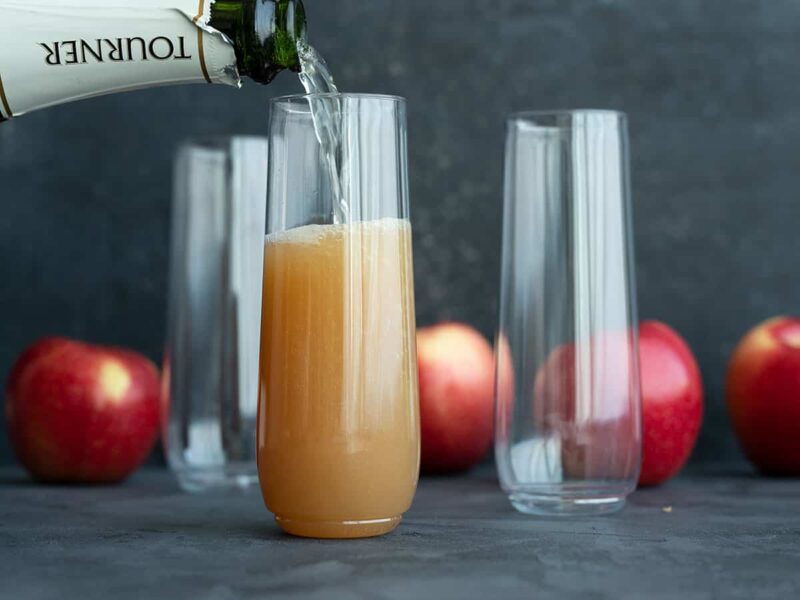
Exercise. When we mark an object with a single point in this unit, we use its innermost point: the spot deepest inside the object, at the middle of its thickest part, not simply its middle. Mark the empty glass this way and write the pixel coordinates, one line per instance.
(211, 357)
(567, 429)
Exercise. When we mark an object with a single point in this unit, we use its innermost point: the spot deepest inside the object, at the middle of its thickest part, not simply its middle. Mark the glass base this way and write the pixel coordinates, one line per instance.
(555, 506)
(229, 477)
(338, 529)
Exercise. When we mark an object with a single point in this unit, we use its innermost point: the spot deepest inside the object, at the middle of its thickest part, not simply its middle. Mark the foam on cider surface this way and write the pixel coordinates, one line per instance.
(313, 234)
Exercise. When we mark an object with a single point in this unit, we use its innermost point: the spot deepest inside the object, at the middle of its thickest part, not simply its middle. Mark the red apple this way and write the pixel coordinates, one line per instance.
(672, 402)
(763, 395)
(585, 396)
(456, 389)
(599, 435)
(81, 413)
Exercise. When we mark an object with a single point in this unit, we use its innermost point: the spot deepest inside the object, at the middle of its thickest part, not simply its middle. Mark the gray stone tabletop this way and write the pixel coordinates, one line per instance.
(713, 536)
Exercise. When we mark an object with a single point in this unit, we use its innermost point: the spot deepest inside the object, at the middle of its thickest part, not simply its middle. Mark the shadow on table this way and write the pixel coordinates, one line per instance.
(16, 478)
(737, 469)
(211, 530)
(243, 530)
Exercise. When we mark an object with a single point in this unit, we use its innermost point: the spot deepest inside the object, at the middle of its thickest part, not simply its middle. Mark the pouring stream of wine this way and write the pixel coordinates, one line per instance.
(326, 114)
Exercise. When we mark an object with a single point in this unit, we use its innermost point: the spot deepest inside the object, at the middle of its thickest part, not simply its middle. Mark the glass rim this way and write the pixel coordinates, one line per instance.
(564, 112)
(292, 98)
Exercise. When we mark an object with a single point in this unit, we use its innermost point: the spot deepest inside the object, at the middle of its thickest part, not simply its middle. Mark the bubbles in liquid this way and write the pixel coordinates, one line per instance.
(326, 115)
(316, 234)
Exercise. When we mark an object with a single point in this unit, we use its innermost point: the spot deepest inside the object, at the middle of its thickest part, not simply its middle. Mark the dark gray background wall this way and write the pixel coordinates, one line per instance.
(711, 87)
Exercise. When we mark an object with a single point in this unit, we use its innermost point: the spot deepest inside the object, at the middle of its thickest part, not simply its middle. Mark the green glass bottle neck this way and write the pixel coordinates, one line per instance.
(264, 34)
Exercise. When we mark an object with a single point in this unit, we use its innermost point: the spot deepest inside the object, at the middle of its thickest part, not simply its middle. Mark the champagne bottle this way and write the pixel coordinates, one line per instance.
(56, 51)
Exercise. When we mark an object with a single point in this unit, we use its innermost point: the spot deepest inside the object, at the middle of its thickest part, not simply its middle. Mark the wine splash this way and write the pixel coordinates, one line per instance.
(326, 114)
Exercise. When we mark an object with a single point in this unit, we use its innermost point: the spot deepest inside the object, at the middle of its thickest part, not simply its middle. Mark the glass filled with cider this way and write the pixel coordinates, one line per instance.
(338, 422)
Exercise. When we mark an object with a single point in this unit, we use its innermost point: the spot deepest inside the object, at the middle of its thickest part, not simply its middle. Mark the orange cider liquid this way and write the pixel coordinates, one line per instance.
(338, 419)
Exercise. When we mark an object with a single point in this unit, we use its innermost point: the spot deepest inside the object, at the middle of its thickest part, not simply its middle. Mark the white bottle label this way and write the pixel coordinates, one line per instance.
(55, 51)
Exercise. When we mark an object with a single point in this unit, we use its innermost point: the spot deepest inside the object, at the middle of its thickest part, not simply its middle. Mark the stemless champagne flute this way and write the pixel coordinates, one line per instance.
(211, 355)
(567, 428)
(338, 423)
